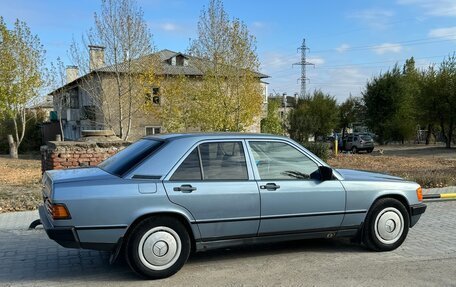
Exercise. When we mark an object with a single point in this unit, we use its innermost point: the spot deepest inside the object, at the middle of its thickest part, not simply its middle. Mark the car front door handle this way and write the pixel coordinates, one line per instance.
(270, 186)
(185, 188)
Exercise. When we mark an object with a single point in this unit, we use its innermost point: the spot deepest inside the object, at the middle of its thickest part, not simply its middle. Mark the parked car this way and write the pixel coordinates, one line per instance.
(358, 142)
(165, 196)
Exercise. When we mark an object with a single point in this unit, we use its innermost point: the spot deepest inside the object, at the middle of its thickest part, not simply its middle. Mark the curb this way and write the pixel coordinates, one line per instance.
(440, 196)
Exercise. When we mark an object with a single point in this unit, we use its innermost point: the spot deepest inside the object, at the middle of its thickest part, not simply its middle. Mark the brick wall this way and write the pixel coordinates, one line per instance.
(71, 154)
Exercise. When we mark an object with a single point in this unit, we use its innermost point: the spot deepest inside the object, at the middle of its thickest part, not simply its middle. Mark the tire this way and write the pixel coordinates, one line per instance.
(370, 150)
(158, 247)
(386, 226)
(354, 150)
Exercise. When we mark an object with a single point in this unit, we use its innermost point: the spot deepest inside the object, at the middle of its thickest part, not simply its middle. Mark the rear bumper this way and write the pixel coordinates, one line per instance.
(415, 212)
(68, 236)
(65, 236)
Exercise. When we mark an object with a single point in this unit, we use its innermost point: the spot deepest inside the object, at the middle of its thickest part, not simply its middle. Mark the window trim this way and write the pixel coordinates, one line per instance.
(255, 169)
(250, 172)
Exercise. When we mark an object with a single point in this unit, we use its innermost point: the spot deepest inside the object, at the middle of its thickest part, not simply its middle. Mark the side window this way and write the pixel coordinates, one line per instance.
(356, 139)
(189, 169)
(223, 161)
(277, 160)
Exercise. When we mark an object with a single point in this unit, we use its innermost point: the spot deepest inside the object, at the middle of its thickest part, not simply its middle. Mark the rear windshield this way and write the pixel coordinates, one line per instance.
(366, 137)
(123, 161)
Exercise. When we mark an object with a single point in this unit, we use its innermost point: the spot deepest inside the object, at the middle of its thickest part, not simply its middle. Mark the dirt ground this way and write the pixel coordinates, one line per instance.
(432, 166)
(20, 183)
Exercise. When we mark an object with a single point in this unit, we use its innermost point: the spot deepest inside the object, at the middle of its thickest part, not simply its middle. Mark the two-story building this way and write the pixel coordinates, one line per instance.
(78, 108)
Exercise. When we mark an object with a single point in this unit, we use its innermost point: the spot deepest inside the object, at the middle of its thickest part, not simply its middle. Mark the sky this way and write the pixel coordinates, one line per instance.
(349, 41)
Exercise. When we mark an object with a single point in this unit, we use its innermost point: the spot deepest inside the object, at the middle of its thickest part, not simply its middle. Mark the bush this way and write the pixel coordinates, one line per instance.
(320, 149)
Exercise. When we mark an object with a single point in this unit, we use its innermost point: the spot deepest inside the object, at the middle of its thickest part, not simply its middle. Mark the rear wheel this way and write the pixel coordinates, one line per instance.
(386, 226)
(158, 247)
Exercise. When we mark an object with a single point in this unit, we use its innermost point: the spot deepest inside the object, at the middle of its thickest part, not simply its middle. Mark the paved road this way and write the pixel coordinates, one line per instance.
(428, 257)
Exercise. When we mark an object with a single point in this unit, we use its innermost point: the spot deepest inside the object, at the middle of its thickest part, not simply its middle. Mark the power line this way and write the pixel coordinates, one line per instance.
(366, 64)
(413, 42)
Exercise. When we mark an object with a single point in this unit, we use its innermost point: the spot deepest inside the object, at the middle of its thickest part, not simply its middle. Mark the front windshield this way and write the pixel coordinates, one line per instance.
(129, 157)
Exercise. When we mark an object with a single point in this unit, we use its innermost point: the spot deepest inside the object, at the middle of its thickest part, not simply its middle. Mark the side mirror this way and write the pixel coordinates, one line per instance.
(326, 173)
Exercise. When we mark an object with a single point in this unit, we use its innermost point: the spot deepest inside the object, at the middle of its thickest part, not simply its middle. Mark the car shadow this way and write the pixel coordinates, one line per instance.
(271, 249)
(48, 262)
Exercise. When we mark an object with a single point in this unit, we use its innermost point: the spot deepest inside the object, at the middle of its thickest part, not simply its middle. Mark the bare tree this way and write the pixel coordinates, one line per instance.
(57, 79)
(121, 33)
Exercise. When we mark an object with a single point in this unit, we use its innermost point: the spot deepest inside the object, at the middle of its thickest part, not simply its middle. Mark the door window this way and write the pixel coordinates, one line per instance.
(223, 160)
(277, 160)
(220, 161)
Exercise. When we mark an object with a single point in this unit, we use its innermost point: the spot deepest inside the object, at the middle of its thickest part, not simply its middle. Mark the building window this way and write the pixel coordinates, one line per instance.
(153, 97)
(152, 130)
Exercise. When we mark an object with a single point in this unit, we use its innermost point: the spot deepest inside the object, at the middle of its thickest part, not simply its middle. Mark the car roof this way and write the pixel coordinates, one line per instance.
(221, 135)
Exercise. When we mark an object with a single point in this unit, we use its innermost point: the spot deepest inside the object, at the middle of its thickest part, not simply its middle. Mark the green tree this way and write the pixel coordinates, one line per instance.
(315, 115)
(229, 96)
(446, 103)
(177, 105)
(272, 123)
(389, 102)
(21, 76)
(427, 101)
(350, 111)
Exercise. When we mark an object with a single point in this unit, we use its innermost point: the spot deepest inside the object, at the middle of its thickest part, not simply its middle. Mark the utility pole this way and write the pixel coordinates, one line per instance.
(303, 65)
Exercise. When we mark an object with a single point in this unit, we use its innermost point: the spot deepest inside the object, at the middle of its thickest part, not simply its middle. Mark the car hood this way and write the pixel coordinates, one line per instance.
(77, 174)
(358, 175)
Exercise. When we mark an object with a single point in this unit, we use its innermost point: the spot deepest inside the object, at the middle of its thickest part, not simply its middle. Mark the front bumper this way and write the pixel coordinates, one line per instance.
(65, 236)
(415, 212)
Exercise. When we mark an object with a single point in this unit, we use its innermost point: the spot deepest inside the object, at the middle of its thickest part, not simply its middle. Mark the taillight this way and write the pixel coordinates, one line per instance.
(59, 211)
(419, 193)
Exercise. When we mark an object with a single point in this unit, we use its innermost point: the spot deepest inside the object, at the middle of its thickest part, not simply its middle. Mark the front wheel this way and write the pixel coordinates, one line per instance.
(386, 225)
(158, 247)
(354, 150)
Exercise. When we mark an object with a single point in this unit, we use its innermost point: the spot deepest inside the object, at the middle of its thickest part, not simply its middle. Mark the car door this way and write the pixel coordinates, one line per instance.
(215, 183)
(293, 199)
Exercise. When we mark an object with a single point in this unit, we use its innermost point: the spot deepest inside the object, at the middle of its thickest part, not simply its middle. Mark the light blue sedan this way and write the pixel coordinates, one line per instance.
(165, 196)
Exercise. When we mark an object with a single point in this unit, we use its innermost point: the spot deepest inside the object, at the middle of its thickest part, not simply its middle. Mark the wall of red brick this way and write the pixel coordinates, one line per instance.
(71, 154)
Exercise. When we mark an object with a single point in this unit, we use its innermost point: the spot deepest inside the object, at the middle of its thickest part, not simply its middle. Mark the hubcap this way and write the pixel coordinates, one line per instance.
(389, 225)
(159, 248)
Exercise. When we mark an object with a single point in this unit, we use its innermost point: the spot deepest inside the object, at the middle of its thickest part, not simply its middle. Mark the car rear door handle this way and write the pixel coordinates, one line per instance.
(185, 188)
(270, 186)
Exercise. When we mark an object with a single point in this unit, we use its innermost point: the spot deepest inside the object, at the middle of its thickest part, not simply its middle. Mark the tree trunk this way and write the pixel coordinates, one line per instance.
(13, 147)
(450, 135)
(343, 136)
(429, 133)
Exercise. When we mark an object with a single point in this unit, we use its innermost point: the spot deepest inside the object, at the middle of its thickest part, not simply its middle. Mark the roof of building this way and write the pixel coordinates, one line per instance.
(46, 103)
(193, 67)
